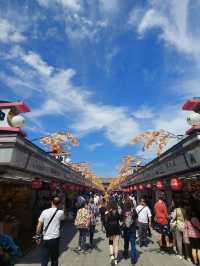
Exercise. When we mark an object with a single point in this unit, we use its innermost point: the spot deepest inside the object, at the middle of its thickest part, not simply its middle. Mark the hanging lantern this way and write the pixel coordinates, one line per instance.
(77, 188)
(36, 183)
(149, 186)
(80, 188)
(63, 186)
(160, 185)
(135, 188)
(53, 185)
(66, 187)
(141, 187)
(71, 187)
(176, 184)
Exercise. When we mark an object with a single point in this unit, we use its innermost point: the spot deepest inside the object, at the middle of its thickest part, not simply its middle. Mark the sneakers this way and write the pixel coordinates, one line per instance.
(115, 262)
(111, 259)
(180, 257)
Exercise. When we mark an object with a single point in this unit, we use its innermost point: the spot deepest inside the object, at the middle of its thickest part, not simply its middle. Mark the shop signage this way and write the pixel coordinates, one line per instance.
(193, 157)
(27, 157)
(164, 168)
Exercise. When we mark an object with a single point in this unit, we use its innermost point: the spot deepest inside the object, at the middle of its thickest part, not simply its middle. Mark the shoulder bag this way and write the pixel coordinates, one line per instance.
(39, 237)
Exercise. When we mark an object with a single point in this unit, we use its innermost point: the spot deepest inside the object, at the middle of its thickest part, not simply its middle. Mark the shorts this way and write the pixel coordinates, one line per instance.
(163, 229)
(195, 243)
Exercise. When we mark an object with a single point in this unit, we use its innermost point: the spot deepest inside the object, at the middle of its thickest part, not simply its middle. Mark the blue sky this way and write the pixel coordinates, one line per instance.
(105, 70)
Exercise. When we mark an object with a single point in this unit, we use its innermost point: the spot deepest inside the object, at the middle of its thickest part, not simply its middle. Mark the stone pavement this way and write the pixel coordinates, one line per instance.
(99, 256)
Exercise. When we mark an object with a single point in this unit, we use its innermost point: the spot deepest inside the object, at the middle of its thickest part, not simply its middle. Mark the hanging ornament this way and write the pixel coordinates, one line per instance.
(160, 185)
(53, 185)
(149, 186)
(36, 183)
(176, 184)
(141, 187)
(135, 188)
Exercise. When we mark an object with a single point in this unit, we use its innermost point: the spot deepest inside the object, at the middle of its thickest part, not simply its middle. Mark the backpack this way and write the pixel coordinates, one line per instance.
(82, 219)
(128, 219)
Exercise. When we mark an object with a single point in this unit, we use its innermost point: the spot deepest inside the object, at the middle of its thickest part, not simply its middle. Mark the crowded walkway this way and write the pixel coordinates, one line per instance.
(99, 256)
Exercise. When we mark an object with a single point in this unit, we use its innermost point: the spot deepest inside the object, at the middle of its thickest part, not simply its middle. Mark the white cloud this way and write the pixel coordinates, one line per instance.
(61, 96)
(74, 5)
(9, 33)
(173, 20)
(109, 6)
(35, 61)
(176, 26)
(144, 112)
(83, 21)
(92, 147)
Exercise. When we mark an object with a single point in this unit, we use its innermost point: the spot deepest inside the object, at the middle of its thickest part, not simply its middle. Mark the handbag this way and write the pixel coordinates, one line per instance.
(177, 224)
(39, 237)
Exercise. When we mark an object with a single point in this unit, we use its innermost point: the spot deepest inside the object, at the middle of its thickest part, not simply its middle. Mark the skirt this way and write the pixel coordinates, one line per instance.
(163, 229)
(113, 231)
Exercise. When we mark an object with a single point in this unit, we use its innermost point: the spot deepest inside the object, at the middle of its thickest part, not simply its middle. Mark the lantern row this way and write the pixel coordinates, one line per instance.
(175, 184)
(37, 184)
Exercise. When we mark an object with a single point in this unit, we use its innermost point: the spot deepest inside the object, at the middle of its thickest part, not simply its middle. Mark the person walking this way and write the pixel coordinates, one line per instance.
(144, 222)
(112, 226)
(82, 223)
(93, 211)
(177, 225)
(129, 219)
(193, 230)
(102, 210)
(50, 220)
(161, 220)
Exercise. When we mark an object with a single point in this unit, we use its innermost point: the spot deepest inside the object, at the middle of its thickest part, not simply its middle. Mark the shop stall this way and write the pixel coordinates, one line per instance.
(28, 178)
(176, 172)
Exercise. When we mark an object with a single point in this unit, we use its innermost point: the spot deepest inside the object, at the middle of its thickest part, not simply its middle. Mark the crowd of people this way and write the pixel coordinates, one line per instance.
(177, 227)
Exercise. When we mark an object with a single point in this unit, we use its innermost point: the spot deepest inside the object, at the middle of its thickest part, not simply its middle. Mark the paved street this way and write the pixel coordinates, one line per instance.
(99, 256)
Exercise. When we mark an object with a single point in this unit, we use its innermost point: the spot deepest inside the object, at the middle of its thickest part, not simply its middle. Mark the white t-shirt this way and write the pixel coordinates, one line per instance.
(96, 200)
(53, 230)
(144, 214)
(132, 198)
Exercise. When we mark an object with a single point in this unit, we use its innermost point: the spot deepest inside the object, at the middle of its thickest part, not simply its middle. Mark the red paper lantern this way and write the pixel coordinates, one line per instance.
(36, 183)
(149, 186)
(81, 188)
(160, 185)
(66, 188)
(141, 187)
(53, 185)
(72, 187)
(135, 188)
(176, 184)
(131, 188)
(63, 186)
(77, 188)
